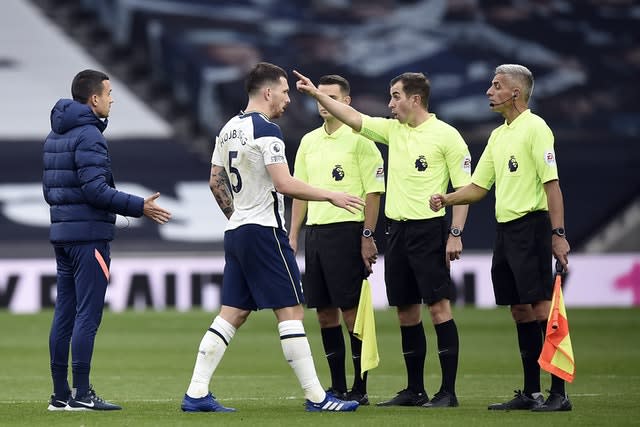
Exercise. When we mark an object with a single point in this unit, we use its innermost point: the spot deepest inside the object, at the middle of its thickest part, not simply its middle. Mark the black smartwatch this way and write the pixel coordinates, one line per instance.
(455, 232)
(367, 233)
(558, 232)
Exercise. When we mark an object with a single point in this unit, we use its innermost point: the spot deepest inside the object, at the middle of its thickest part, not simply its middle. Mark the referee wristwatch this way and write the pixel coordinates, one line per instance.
(559, 232)
(455, 231)
(367, 233)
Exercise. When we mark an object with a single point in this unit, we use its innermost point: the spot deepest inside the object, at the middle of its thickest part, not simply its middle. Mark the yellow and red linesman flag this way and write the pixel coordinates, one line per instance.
(365, 330)
(557, 354)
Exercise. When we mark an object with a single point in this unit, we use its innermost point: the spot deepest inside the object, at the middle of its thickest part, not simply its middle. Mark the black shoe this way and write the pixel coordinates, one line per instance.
(555, 402)
(90, 402)
(442, 399)
(519, 402)
(342, 395)
(56, 404)
(406, 397)
(358, 396)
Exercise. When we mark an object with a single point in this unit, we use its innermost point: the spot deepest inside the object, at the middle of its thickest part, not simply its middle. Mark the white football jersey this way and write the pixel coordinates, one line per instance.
(245, 145)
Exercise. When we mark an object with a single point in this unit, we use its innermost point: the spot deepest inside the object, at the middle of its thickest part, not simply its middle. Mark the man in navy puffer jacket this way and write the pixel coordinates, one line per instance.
(79, 188)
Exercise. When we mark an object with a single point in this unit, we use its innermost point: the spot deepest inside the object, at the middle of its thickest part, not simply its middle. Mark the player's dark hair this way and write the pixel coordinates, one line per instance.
(334, 79)
(262, 73)
(86, 84)
(415, 84)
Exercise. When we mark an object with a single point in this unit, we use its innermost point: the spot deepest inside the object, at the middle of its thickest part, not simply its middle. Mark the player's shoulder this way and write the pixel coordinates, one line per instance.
(263, 127)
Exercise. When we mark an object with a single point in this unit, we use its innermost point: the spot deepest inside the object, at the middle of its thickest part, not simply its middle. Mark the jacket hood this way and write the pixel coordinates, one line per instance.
(68, 114)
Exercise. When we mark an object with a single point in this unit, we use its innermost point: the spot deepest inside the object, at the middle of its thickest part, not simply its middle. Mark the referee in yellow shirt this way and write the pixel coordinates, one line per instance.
(424, 155)
(339, 246)
(520, 159)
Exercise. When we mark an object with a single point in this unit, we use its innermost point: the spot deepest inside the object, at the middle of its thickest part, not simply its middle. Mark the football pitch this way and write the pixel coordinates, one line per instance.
(143, 361)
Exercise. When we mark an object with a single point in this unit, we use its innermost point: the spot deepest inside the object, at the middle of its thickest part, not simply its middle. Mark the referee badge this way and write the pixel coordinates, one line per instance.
(550, 158)
(466, 164)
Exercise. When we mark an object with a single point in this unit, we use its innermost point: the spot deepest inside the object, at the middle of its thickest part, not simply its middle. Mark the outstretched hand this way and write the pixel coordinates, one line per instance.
(437, 202)
(153, 211)
(304, 84)
(346, 201)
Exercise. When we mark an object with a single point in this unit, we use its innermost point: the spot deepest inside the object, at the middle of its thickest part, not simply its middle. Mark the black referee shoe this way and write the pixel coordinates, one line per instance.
(406, 397)
(555, 402)
(442, 399)
(519, 402)
(358, 396)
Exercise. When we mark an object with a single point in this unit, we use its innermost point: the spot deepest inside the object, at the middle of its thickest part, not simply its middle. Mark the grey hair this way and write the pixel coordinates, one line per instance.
(520, 74)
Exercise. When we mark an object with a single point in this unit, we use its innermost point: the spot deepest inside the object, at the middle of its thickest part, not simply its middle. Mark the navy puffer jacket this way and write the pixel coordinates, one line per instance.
(77, 180)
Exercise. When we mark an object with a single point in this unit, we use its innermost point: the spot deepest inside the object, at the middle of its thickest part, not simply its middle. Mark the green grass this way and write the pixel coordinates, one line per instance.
(143, 361)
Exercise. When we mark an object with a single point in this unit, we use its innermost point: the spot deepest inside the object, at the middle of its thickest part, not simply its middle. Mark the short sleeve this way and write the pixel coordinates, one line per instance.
(485, 175)
(216, 158)
(376, 128)
(544, 154)
(458, 161)
(371, 166)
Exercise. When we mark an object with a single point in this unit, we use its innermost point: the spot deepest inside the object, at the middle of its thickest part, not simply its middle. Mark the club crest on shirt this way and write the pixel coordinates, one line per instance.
(338, 173)
(550, 158)
(513, 164)
(421, 163)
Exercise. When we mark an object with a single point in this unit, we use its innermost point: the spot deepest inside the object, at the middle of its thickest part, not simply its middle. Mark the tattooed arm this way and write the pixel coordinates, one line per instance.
(220, 187)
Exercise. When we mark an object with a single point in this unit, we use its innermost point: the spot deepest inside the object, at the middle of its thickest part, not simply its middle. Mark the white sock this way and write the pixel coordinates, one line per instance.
(295, 347)
(210, 352)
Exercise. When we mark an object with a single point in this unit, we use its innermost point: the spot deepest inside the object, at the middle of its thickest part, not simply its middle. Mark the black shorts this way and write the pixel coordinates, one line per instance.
(415, 262)
(521, 270)
(334, 268)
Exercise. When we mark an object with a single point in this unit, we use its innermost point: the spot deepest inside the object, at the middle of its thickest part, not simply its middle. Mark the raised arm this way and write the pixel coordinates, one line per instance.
(343, 112)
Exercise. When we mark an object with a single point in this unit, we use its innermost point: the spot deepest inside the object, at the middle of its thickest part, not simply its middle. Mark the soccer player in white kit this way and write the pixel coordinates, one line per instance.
(249, 178)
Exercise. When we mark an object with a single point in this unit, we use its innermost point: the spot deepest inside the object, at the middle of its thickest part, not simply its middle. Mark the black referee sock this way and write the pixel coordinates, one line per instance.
(334, 349)
(414, 349)
(530, 343)
(557, 383)
(359, 381)
(448, 345)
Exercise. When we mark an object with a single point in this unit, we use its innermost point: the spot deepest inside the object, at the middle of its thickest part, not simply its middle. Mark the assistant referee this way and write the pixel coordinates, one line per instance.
(520, 159)
(339, 245)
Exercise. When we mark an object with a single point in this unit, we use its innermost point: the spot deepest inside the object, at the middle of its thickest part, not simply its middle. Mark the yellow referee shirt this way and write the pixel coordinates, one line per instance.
(343, 161)
(422, 160)
(519, 158)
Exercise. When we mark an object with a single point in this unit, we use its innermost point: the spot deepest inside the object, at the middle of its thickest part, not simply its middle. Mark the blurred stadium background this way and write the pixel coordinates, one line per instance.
(177, 70)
